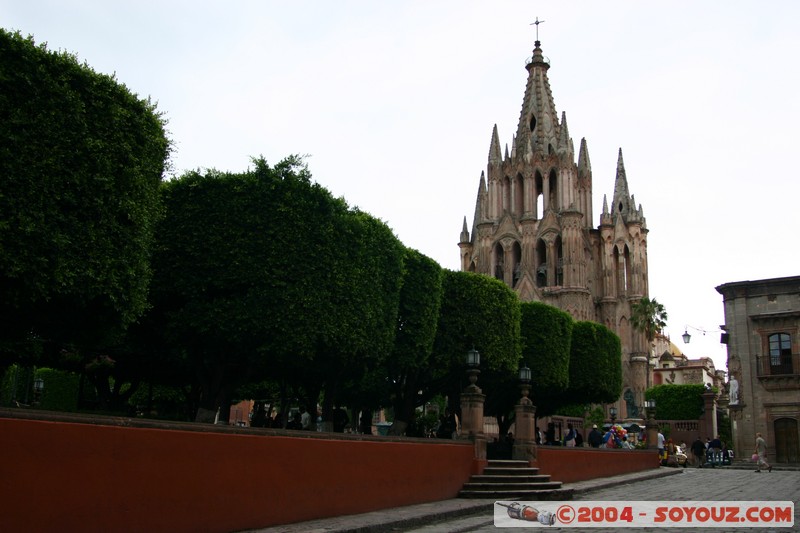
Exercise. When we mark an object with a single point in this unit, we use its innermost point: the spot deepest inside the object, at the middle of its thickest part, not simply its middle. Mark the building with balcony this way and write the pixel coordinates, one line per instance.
(762, 319)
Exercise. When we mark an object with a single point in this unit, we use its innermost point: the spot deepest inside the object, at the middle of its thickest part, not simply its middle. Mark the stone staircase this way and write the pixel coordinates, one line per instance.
(506, 480)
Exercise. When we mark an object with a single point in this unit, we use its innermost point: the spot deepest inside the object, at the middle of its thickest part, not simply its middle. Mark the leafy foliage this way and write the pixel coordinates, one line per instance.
(546, 340)
(477, 312)
(677, 402)
(60, 391)
(482, 313)
(81, 159)
(285, 281)
(649, 317)
(595, 368)
(409, 367)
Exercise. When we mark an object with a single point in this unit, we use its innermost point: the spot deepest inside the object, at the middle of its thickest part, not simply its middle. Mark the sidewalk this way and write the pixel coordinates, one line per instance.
(425, 513)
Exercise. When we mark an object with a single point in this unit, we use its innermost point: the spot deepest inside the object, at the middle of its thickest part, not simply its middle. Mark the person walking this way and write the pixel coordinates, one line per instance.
(569, 439)
(662, 456)
(715, 451)
(595, 437)
(699, 452)
(761, 451)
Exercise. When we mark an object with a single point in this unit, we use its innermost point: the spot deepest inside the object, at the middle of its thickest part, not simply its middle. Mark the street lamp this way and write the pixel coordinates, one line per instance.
(473, 362)
(687, 337)
(650, 407)
(613, 412)
(473, 358)
(525, 383)
(38, 388)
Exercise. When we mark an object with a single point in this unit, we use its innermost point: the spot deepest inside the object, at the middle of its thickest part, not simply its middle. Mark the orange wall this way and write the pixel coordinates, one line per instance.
(578, 464)
(60, 476)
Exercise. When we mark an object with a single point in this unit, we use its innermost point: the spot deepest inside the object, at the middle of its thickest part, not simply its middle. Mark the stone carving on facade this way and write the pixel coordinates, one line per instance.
(733, 391)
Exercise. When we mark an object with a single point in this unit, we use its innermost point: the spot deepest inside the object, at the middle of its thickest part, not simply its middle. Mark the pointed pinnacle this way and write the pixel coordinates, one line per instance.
(494, 149)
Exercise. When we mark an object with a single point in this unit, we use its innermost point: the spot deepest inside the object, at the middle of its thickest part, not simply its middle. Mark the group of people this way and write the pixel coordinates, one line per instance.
(711, 453)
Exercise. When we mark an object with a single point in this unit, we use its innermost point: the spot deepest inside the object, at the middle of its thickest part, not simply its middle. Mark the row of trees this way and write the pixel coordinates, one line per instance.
(238, 284)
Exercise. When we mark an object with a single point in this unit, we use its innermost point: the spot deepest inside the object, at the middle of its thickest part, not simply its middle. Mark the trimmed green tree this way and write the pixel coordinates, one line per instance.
(237, 273)
(546, 340)
(595, 368)
(360, 294)
(264, 275)
(476, 312)
(677, 402)
(409, 366)
(81, 159)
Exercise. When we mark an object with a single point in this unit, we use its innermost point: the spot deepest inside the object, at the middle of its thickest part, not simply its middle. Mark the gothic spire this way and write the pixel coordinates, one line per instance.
(538, 121)
(624, 203)
(494, 148)
(622, 198)
(584, 164)
(564, 142)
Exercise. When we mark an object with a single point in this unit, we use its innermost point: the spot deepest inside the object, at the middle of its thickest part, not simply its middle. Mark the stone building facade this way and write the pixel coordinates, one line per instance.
(762, 320)
(674, 367)
(533, 227)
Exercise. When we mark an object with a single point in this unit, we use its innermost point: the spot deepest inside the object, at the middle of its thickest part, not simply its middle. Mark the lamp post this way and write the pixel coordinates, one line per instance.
(525, 385)
(650, 425)
(38, 388)
(473, 365)
(472, 400)
(650, 408)
(524, 448)
(687, 337)
(612, 411)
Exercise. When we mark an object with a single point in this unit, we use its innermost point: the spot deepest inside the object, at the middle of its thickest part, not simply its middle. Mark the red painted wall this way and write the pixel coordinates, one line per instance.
(62, 476)
(578, 464)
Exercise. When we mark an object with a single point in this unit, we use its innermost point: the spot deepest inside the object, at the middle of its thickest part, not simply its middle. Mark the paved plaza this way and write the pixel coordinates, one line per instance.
(666, 484)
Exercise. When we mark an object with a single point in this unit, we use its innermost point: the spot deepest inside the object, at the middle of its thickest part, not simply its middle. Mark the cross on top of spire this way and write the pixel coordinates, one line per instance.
(536, 23)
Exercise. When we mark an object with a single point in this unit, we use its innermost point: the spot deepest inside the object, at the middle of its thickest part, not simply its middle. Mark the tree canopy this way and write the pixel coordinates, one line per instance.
(81, 159)
(408, 370)
(595, 368)
(546, 339)
(264, 273)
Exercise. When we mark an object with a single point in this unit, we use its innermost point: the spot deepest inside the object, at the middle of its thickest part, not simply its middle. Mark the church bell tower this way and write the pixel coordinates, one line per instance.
(533, 229)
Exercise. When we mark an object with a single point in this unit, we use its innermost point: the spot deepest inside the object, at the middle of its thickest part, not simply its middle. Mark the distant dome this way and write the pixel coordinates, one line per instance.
(666, 356)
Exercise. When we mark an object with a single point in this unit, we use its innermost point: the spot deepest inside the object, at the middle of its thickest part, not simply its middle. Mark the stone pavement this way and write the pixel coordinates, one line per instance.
(718, 484)
(414, 516)
(457, 515)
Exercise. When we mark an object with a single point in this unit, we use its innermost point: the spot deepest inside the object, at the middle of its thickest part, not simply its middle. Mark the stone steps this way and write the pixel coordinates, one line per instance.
(504, 480)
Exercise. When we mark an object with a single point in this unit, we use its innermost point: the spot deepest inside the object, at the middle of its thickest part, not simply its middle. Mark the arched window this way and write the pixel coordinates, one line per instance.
(519, 195)
(541, 264)
(507, 194)
(552, 200)
(627, 271)
(517, 253)
(780, 353)
(499, 262)
(559, 262)
(539, 184)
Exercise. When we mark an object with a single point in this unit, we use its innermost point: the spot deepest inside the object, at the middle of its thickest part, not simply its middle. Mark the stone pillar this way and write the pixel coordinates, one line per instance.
(652, 433)
(708, 422)
(639, 376)
(472, 399)
(525, 438)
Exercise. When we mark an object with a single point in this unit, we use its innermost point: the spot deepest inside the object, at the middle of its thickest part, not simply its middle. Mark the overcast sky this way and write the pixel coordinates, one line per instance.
(394, 104)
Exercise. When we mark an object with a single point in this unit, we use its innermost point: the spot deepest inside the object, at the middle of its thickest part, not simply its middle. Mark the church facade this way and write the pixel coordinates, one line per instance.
(533, 228)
